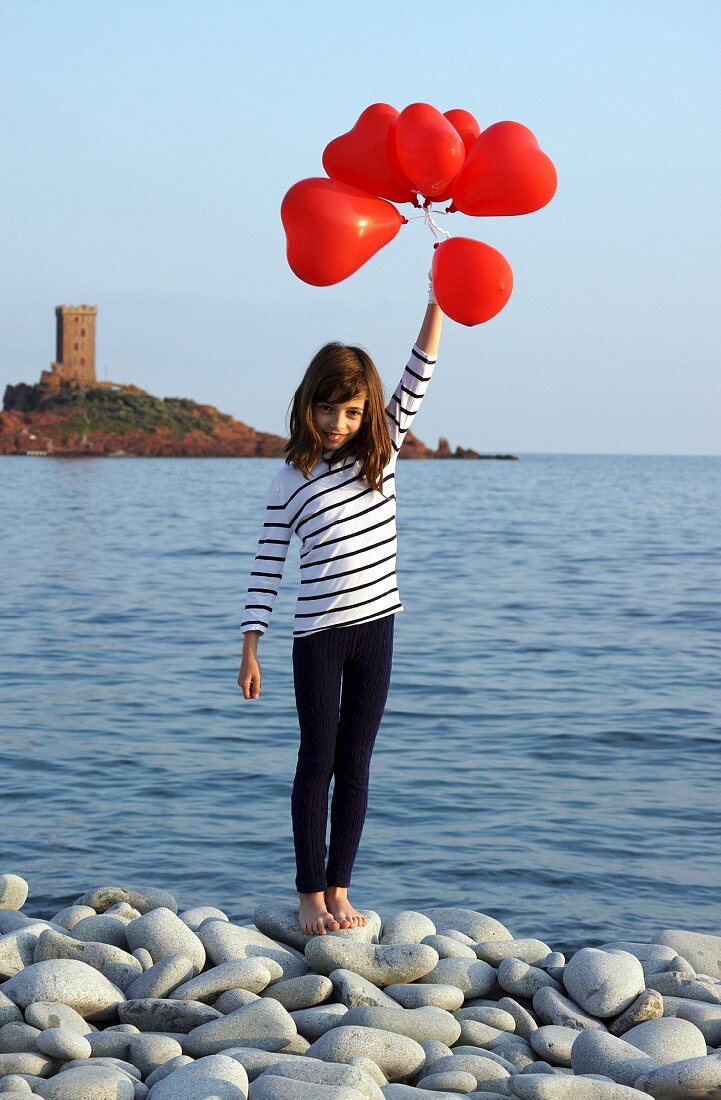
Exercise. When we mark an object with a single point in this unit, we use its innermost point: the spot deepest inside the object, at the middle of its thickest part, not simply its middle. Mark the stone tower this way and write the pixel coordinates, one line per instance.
(75, 344)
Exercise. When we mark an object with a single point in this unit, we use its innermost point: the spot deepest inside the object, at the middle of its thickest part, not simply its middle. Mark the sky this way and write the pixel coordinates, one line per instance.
(147, 146)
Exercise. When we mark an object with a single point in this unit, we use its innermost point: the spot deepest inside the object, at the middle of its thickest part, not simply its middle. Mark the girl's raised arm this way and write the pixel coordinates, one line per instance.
(411, 389)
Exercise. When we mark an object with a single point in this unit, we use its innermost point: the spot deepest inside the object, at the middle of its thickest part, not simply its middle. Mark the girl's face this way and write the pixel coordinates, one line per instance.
(338, 422)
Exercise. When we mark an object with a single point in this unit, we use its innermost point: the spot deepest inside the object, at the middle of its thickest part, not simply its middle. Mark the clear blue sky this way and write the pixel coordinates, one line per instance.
(147, 147)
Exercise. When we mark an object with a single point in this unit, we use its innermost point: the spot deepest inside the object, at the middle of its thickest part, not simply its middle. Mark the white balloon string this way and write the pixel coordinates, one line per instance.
(436, 230)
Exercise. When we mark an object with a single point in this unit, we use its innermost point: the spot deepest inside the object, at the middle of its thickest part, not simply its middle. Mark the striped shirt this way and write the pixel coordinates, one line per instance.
(347, 530)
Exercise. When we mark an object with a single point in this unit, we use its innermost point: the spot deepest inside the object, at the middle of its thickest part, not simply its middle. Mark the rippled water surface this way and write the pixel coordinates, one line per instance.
(550, 749)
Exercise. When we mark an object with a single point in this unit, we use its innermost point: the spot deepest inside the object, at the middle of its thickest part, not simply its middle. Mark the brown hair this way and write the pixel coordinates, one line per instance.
(338, 373)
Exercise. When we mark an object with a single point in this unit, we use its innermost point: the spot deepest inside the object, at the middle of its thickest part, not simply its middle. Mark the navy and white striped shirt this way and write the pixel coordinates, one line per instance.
(347, 530)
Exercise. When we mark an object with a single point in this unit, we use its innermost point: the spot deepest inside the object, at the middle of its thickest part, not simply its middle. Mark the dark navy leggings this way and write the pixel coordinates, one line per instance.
(337, 734)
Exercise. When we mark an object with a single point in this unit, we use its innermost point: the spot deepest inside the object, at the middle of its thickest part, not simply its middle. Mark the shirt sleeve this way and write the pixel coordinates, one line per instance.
(267, 568)
(410, 391)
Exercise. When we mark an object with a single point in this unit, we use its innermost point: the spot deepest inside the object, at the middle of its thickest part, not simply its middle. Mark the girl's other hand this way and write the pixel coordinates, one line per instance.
(249, 676)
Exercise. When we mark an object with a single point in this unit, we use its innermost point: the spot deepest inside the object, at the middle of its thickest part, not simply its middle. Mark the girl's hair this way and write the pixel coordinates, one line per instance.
(338, 373)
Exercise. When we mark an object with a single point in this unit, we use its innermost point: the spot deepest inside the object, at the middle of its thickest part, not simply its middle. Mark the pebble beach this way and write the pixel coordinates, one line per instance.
(123, 995)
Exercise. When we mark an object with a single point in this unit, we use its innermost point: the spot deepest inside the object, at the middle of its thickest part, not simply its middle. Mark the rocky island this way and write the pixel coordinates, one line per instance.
(69, 412)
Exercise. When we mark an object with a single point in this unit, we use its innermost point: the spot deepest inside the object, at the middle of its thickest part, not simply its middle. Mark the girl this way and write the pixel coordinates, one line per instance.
(336, 492)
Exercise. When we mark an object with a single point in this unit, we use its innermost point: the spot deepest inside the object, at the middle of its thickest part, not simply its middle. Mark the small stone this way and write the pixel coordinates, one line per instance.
(9, 1012)
(707, 1019)
(486, 1069)
(264, 1023)
(165, 1014)
(449, 948)
(602, 983)
(162, 933)
(553, 1008)
(162, 978)
(167, 1068)
(396, 1055)
(647, 1006)
(148, 1052)
(644, 952)
(232, 999)
(416, 1023)
(216, 1076)
(102, 897)
(251, 974)
(525, 1023)
(68, 981)
(414, 995)
(102, 928)
(701, 950)
(497, 1018)
(13, 892)
(473, 978)
(195, 917)
(25, 1062)
(668, 1040)
(553, 1043)
(408, 926)
(18, 1037)
(600, 1052)
(49, 1014)
(377, 963)
(17, 949)
(317, 1072)
(533, 952)
(522, 980)
(118, 966)
(352, 989)
(478, 926)
(224, 941)
(146, 959)
(692, 1077)
(63, 1043)
(13, 1083)
(675, 985)
(304, 992)
(72, 915)
(314, 1022)
(452, 1080)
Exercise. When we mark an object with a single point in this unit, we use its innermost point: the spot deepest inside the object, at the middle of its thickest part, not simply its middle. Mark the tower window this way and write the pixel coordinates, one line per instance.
(76, 347)
(82, 331)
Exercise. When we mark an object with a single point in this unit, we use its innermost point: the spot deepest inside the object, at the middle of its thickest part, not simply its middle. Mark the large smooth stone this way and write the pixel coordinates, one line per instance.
(25, 1062)
(148, 1052)
(599, 1052)
(304, 992)
(17, 949)
(88, 1083)
(686, 1080)
(603, 983)
(701, 950)
(63, 1043)
(424, 995)
(479, 926)
(279, 1088)
(668, 1040)
(280, 922)
(553, 1008)
(143, 899)
(118, 966)
(13, 892)
(397, 1056)
(195, 917)
(473, 977)
(68, 981)
(485, 1067)
(707, 1019)
(162, 933)
(554, 1043)
(264, 1023)
(314, 1022)
(448, 947)
(352, 990)
(251, 974)
(216, 1076)
(224, 941)
(162, 978)
(417, 1023)
(547, 1086)
(520, 979)
(377, 963)
(165, 1014)
(676, 985)
(529, 951)
(102, 928)
(72, 915)
(526, 1024)
(644, 952)
(318, 1072)
(408, 926)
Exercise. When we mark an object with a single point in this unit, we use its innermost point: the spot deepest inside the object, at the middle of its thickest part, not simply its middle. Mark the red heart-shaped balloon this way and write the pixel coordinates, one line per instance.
(472, 281)
(506, 172)
(365, 157)
(332, 229)
(430, 150)
(465, 124)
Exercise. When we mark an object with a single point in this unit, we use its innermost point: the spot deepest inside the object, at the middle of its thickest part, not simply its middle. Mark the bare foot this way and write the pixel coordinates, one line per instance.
(313, 916)
(336, 898)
